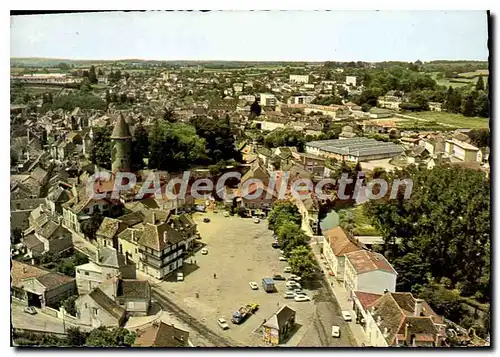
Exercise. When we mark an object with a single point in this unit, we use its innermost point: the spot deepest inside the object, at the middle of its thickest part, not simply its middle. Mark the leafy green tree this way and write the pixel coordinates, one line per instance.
(283, 211)
(220, 144)
(174, 146)
(69, 305)
(480, 137)
(480, 84)
(92, 75)
(100, 72)
(116, 337)
(285, 137)
(468, 108)
(91, 226)
(482, 105)
(140, 147)
(453, 100)
(102, 146)
(255, 110)
(290, 236)
(75, 337)
(302, 262)
(410, 268)
(64, 66)
(16, 235)
(169, 115)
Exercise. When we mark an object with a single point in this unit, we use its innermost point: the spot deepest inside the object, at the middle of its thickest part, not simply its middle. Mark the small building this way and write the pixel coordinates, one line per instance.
(462, 151)
(368, 272)
(350, 81)
(299, 78)
(279, 327)
(336, 245)
(98, 309)
(160, 334)
(40, 287)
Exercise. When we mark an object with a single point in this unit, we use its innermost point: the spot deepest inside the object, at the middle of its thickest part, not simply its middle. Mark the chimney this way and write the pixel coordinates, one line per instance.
(154, 218)
(379, 320)
(164, 237)
(386, 291)
(385, 331)
(132, 235)
(25, 270)
(418, 306)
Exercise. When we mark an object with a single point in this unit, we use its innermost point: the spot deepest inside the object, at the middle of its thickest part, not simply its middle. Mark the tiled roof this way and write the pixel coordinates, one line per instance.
(106, 303)
(53, 280)
(366, 299)
(339, 242)
(161, 335)
(280, 317)
(110, 227)
(158, 237)
(21, 271)
(365, 261)
(121, 129)
(133, 289)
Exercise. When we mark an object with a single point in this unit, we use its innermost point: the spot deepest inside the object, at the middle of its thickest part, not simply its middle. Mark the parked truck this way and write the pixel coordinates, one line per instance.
(243, 313)
(268, 285)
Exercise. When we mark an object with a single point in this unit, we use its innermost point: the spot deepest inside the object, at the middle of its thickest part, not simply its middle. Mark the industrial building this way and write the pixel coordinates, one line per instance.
(354, 149)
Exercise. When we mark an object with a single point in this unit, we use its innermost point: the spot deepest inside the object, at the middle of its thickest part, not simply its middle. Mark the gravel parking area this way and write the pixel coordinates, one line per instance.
(239, 251)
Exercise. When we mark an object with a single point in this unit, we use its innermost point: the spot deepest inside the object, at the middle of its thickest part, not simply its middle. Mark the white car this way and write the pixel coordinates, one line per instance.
(294, 277)
(287, 270)
(281, 251)
(180, 276)
(298, 292)
(254, 285)
(256, 220)
(223, 323)
(335, 331)
(289, 294)
(300, 298)
(226, 214)
(346, 315)
(204, 251)
(291, 284)
(282, 259)
(30, 310)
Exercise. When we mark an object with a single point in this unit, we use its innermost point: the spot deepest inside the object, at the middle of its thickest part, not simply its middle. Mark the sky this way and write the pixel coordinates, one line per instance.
(254, 35)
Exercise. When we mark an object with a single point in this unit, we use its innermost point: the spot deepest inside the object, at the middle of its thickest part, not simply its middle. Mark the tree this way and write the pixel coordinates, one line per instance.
(290, 236)
(100, 72)
(63, 66)
(410, 268)
(468, 108)
(75, 337)
(285, 137)
(102, 145)
(480, 84)
(482, 105)
(220, 144)
(140, 148)
(453, 101)
(16, 235)
(169, 115)
(116, 337)
(92, 75)
(174, 146)
(328, 76)
(69, 305)
(91, 226)
(255, 110)
(283, 211)
(302, 262)
(85, 86)
(480, 137)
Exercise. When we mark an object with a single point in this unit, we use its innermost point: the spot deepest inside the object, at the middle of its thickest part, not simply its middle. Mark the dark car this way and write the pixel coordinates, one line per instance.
(206, 219)
(278, 277)
(275, 245)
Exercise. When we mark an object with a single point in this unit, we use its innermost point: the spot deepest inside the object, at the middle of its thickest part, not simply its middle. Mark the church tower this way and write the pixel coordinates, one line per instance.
(122, 145)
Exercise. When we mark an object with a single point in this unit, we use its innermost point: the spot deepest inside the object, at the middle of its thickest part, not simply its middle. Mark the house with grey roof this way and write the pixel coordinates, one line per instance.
(278, 327)
(98, 309)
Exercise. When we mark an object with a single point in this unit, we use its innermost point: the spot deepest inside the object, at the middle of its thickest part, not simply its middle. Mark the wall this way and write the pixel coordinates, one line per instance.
(60, 293)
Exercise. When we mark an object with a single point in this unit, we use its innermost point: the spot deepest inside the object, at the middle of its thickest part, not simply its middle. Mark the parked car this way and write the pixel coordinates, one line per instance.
(335, 331)
(254, 285)
(226, 214)
(299, 292)
(287, 270)
(278, 277)
(282, 252)
(300, 298)
(206, 220)
(289, 294)
(204, 251)
(223, 323)
(294, 277)
(291, 284)
(30, 310)
(282, 259)
(275, 245)
(346, 315)
(256, 220)
(180, 276)
(198, 236)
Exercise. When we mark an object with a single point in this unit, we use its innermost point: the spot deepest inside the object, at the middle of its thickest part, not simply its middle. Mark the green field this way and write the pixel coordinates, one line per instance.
(463, 79)
(362, 224)
(455, 120)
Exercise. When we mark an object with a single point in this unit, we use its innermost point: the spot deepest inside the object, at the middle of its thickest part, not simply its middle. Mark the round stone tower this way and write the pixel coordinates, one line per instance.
(122, 142)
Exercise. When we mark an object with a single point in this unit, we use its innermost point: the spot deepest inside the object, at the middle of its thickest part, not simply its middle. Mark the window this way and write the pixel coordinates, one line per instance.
(86, 273)
(171, 267)
(94, 310)
(136, 250)
(86, 305)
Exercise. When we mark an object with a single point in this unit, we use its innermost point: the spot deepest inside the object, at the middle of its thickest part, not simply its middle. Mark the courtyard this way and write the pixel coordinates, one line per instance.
(239, 252)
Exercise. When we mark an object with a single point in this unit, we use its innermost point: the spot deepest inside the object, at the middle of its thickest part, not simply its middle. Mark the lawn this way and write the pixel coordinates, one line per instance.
(456, 120)
(363, 225)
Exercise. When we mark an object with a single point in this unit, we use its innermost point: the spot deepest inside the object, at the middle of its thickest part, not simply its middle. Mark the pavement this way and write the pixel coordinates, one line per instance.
(37, 322)
(341, 297)
(239, 251)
